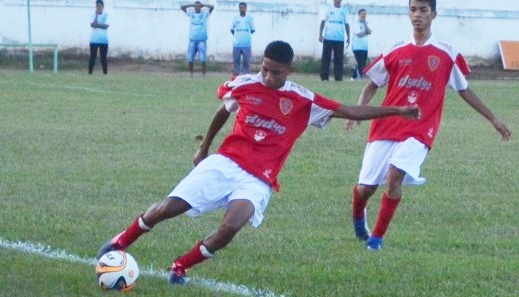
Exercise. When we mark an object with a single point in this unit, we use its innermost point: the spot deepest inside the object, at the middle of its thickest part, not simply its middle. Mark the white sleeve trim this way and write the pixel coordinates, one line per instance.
(379, 74)
(319, 117)
(457, 80)
(231, 105)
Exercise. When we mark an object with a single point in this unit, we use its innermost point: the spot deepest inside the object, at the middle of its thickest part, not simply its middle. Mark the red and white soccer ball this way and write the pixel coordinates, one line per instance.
(117, 270)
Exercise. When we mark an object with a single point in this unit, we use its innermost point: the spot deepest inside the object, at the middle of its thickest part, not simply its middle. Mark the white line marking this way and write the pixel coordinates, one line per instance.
(50, 252)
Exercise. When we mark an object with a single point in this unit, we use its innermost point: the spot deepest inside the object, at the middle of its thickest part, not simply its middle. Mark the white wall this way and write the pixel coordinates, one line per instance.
(159, 29)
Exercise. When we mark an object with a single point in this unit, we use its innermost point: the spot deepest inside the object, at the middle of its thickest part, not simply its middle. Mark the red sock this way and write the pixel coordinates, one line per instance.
(387, 210)
(358, 204)
(132, 233)
(197, 254)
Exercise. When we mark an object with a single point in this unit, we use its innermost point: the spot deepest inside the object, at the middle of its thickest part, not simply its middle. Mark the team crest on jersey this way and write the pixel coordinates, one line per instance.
(285, 105)
(412, 97)
(259, 135)
(434, 62)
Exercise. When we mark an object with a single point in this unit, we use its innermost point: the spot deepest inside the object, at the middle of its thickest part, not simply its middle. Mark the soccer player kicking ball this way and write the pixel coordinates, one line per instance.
(417, 71)
(271, 115)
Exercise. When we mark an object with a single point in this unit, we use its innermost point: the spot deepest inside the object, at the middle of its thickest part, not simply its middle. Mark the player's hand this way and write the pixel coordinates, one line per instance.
(202, 152)
(321, 39)
(351, 124)
(506, 134)
(200, 155)
(411, 112)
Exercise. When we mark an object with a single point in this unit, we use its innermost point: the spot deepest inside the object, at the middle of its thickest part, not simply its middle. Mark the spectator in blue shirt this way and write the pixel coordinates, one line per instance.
(198, 14)
(242, 28)
(334, 24)
(359, 44)
(99, 38)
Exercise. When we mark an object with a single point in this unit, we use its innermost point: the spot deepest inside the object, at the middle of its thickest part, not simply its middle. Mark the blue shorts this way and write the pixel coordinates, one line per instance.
(196, 46)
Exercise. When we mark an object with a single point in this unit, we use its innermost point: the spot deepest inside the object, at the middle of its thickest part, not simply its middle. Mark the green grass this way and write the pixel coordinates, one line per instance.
(81, 156)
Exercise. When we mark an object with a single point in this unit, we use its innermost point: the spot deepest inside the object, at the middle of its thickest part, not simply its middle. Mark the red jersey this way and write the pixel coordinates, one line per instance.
(268, 123)
(416, 75)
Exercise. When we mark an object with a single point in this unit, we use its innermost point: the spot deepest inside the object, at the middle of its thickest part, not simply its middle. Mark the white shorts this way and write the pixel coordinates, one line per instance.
(218, 180)
(408, 156)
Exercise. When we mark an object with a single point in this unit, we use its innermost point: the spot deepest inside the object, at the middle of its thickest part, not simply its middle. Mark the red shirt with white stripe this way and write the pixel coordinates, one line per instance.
(416, 75)
(268, 122)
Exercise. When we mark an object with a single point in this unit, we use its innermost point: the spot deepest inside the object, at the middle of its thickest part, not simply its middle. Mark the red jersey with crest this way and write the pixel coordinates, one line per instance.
(416, 75)
(268, 122)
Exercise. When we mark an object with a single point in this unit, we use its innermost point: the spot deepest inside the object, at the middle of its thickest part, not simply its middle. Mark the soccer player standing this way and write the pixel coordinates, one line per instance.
(272, 113)
(416, 71)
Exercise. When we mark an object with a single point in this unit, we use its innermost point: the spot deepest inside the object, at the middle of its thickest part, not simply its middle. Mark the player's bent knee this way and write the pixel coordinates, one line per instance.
(366, 191)
(168, 208)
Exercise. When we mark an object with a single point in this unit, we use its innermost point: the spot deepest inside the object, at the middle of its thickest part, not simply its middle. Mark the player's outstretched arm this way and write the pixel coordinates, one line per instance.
(473, 100)
(366, 112)
(217, 123)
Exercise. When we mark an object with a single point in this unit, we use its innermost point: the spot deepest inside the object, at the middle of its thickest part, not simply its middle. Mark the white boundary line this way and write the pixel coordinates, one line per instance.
(213, 285)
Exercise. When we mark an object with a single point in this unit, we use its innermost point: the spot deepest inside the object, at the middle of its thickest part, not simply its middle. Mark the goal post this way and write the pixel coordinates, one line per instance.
(37, 45)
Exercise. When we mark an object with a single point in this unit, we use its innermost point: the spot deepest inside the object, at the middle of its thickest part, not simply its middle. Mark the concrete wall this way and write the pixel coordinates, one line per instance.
(159, 29)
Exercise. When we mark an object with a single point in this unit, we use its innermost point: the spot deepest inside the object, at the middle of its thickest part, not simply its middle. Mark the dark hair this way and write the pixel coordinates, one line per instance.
(242, 3)
(100, 2)
(362, 10)
(280, 52)
(432, 3)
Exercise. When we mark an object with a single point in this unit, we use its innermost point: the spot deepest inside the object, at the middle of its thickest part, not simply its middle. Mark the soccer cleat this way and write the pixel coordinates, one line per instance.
(361, 228)
(177, 274)
(110, 245)
(374, 243)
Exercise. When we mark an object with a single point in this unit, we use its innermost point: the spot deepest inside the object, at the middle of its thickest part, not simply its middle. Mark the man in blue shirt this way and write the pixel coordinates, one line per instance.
(331, 33)
(242, 28)
(359, 44)
(197, 33)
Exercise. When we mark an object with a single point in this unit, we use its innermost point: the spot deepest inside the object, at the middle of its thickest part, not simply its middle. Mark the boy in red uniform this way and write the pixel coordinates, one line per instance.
(416, 71)
(272, 113)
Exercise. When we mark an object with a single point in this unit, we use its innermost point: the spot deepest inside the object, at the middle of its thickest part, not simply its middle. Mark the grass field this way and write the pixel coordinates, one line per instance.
(81, 156)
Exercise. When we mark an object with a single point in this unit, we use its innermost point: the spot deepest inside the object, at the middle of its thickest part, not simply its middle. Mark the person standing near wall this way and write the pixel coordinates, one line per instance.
(359, 43)
(334, 24)
(197, 33)
(99, 38)
(242, 28)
